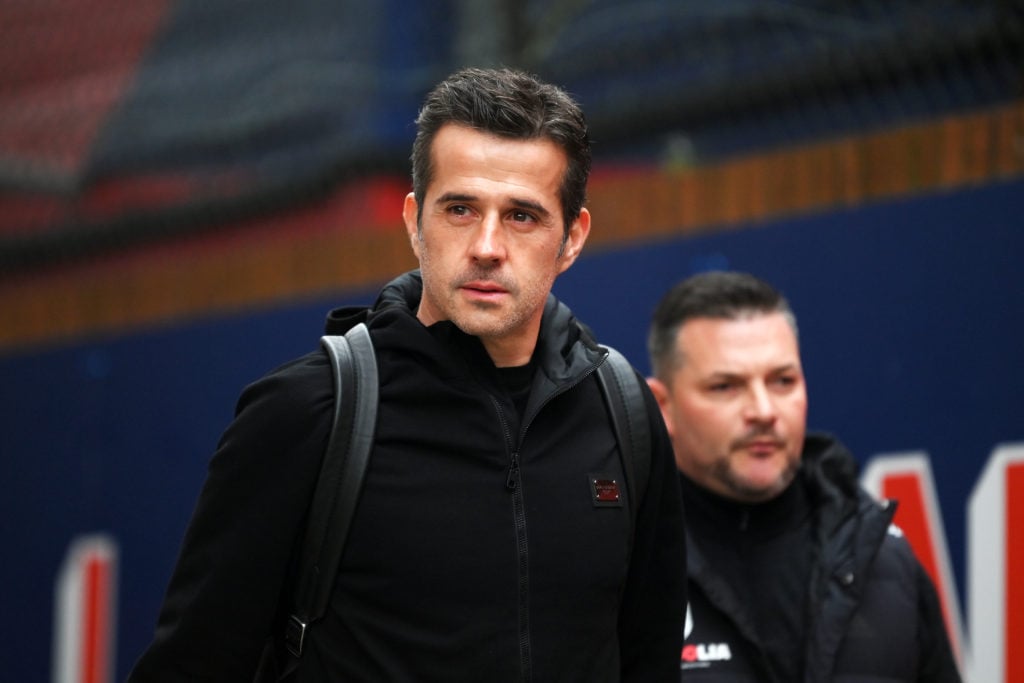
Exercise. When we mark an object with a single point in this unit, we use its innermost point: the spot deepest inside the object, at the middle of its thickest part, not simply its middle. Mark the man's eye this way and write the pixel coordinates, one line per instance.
(521, 216)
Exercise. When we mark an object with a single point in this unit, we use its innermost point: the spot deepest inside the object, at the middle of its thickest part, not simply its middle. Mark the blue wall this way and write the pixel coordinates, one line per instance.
(911, 316)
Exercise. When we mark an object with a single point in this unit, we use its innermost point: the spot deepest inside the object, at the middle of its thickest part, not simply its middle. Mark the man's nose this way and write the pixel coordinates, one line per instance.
(489, 243)
(760, 405)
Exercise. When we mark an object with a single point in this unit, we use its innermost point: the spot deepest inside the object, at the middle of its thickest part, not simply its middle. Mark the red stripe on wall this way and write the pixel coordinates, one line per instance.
(95, 620)
(1014, 612)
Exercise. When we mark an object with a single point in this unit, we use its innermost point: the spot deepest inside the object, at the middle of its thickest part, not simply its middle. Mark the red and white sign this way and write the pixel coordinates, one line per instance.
(995, 553)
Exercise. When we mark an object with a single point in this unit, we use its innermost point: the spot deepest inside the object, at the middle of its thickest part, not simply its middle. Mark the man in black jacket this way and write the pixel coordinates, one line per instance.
(795, 573)
(480, 550)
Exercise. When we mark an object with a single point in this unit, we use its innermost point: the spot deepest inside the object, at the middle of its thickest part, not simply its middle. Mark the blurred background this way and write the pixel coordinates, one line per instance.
(187, 187)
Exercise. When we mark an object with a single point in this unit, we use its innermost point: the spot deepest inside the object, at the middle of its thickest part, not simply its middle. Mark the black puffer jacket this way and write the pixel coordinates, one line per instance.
(870, 613)
(477, 551)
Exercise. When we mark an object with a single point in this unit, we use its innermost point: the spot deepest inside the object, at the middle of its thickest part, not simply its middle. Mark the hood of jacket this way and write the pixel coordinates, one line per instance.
(566, 349)
(830, 472)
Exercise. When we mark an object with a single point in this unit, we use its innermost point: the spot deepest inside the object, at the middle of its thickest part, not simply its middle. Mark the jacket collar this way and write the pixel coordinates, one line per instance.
(566, 350)
(830, 473)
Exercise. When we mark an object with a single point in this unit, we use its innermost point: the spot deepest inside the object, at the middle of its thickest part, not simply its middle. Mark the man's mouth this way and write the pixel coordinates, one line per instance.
(478, 288)
(761, 446)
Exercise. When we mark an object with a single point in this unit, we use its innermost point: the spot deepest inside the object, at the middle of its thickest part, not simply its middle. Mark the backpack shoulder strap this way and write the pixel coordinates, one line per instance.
(340, 480)
(625, 400)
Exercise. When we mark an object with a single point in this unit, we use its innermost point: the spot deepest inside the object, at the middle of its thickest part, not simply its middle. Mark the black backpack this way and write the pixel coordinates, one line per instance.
(344, 464)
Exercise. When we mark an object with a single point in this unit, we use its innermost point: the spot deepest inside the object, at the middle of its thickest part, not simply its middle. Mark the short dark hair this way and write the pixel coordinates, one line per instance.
(726, 295)
(511, 104)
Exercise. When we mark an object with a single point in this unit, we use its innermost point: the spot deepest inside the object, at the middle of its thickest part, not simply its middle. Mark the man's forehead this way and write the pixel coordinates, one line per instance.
(475, 163)
(743, 343)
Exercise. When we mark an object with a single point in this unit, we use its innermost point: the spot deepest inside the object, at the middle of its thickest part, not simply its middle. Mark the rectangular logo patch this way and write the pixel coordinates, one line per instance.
(605, 491)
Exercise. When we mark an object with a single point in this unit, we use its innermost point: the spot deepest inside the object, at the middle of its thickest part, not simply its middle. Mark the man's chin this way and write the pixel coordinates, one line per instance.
(760, 489)
(483, 326)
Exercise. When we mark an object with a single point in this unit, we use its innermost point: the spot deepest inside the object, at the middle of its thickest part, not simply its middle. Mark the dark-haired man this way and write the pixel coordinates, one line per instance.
(480, 550)
(796, 574)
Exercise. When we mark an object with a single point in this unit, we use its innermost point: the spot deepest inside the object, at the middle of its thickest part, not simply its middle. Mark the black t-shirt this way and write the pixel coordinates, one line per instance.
(517, 382)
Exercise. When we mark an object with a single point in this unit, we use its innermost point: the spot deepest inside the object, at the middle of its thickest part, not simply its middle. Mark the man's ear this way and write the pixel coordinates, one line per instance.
(577, 237)
(410, 214)
(664, 399)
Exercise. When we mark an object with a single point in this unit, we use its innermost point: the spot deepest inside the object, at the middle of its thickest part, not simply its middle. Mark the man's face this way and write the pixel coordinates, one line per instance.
(736, 406)
(490, 243)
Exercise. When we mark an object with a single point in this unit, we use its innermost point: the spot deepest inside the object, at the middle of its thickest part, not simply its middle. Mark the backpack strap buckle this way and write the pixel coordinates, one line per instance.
(294, 635)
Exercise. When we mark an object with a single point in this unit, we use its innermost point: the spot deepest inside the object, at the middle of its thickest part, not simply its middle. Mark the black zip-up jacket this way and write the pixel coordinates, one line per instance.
(478, 550)
(847, 600)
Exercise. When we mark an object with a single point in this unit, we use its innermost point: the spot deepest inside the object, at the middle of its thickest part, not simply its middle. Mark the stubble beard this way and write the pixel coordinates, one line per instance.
(740, 488)
(483, 319)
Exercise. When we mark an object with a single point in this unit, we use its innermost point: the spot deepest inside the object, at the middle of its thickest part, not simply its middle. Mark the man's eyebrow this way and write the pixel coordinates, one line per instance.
(531, 205)
(786, 367)
(741, 375)
(454, 197)
(724, 374)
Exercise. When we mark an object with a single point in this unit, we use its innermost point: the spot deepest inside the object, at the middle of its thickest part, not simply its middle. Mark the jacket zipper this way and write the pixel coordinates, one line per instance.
(513, 482)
